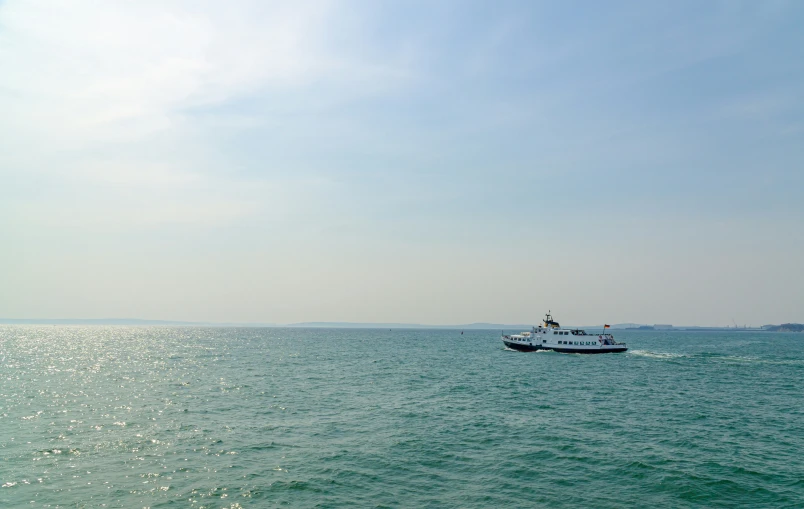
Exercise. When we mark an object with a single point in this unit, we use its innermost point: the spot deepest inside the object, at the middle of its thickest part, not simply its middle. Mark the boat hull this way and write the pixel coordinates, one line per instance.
(591, 350)
(521, 347)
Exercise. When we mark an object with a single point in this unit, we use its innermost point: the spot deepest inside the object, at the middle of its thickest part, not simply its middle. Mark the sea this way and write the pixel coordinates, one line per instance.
(151, 417)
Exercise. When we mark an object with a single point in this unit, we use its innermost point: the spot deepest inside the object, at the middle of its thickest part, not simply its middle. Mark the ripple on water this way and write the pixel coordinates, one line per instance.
(238, 418)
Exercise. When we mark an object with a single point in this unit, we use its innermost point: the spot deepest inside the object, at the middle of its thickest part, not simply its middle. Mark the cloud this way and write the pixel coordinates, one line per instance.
(100, 97)
(88, 66)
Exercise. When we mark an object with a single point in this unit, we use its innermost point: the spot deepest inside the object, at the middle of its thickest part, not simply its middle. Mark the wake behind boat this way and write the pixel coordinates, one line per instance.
(550, 336)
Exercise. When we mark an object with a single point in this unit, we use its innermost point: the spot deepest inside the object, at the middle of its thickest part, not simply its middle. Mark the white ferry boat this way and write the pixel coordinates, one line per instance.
(550, 336)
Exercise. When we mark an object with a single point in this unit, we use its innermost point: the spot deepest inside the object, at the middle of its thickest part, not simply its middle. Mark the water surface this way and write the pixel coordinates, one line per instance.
(226, 417)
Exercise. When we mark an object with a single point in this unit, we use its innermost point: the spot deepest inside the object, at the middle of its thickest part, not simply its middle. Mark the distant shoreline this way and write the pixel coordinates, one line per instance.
(787, 327)
(300, 325)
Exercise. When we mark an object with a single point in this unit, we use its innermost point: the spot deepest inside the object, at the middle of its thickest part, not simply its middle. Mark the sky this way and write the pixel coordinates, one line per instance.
(424, 162)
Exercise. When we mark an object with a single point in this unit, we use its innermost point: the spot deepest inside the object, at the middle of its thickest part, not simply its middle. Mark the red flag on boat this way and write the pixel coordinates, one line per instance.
(606, 326)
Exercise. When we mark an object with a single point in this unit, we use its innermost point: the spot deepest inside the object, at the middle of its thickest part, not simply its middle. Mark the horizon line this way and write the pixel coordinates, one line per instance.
(325, 324)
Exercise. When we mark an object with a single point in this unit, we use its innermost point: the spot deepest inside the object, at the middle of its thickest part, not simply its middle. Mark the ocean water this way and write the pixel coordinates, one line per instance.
(243, 418)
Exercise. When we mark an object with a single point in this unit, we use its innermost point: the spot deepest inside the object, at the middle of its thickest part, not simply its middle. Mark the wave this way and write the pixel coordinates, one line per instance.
(740, 359)
(657, 355)
(716, 357)
(712, 356)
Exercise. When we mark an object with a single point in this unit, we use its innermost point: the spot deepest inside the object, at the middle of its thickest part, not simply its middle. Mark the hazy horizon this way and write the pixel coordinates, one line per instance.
(340, 324)
(403, 162)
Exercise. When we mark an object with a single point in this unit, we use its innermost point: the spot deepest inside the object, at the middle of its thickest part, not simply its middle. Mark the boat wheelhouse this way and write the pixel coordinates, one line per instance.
(551, 336)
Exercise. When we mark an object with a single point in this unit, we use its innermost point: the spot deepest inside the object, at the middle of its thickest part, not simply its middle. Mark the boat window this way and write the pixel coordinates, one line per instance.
(544, 341)
(554, 332)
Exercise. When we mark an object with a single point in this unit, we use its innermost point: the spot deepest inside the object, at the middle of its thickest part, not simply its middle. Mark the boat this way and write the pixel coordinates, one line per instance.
(551, 336)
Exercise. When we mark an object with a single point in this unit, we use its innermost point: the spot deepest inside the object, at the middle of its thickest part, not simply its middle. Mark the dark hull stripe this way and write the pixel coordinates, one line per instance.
(521, 347)
(602, 350)
(532, 348)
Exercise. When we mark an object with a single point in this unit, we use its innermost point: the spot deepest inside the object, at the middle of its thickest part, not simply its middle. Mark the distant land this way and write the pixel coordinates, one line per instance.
(342, 325)
(121, 321)
(785, 327)
(358, 325)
